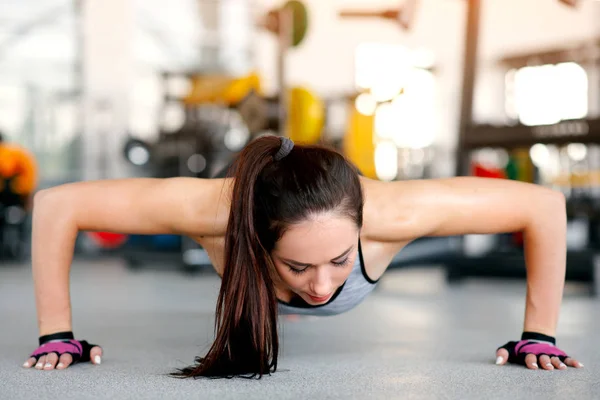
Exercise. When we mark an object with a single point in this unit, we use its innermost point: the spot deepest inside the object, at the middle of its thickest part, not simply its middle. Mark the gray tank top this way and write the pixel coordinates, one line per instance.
(356, 288)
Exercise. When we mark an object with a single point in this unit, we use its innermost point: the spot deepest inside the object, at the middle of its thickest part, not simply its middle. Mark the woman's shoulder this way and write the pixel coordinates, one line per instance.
(387, 211)
(211, 201)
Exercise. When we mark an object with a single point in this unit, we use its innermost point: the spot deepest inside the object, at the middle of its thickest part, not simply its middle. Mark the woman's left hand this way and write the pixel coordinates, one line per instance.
(534, 354)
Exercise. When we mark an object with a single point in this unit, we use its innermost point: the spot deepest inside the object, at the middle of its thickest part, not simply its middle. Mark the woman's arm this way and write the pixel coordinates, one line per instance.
(187, 206)
(405, 210)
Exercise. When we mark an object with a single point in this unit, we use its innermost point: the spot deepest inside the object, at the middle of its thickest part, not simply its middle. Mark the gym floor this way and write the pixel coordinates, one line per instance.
(413, 338)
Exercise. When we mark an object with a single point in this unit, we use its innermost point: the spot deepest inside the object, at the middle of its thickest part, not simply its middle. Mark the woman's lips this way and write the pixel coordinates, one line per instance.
(320, 299)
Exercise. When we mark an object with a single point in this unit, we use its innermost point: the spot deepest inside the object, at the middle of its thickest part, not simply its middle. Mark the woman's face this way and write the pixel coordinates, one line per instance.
(315, 257)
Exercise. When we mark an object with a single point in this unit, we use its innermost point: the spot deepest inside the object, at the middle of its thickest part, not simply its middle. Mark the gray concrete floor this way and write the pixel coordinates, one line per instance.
(414, 338)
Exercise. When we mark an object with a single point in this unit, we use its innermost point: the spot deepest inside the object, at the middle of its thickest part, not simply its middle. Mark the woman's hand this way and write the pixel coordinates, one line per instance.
(60, 355)
(535, 353)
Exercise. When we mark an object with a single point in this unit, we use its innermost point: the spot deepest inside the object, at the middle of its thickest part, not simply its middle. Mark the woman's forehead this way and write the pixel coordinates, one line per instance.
(317, 240)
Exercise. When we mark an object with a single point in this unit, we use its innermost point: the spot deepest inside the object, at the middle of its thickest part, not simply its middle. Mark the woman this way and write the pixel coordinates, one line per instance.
(295, 230)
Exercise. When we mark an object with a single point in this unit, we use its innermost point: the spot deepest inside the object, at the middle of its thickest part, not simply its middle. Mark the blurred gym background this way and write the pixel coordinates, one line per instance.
(412, 89)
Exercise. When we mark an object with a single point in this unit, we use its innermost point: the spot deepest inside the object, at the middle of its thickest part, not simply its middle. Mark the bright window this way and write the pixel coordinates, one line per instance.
(547, 94)
(399, 89)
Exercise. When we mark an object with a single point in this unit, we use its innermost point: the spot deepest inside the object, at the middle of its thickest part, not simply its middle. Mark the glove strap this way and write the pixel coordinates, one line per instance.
(56, 337)
(538, 337)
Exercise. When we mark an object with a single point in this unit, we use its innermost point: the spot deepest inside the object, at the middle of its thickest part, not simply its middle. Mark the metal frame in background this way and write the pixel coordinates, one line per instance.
(583, 265)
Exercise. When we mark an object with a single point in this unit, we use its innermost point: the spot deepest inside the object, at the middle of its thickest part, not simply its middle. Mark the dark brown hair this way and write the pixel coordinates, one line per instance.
(268, 196)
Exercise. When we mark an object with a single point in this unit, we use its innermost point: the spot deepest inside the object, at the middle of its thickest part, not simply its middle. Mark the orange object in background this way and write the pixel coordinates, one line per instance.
(18, 163)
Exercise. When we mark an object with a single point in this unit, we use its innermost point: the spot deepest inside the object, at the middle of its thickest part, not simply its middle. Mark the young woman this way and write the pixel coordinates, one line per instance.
(295, 230)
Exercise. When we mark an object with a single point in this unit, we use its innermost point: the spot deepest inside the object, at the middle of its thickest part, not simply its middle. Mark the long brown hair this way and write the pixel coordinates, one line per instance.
(268, 196)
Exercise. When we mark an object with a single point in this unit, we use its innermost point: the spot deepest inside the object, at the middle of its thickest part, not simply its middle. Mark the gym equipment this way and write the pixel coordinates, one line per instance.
(306, 116)
(13, 221)
(404, 15)
(222, 113)
(136, 151)
(583, 264)
(524, 168)
(221, 89)
(300, 113)
(358, 143)
(18, 165)
(305, 111)
(290, 24)
(485, 172)
(107, 240)
(166, 241)
(242, 93)
(272, 21)
(255, 111)
(18, 181)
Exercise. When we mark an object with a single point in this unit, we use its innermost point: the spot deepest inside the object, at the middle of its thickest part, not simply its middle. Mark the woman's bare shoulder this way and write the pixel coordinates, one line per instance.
(210, 203)
(384, 209)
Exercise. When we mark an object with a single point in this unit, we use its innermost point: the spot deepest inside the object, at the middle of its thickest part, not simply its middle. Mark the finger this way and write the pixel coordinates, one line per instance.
(531, 361)
(558, 364)
(41, 362)
(30, 362)
(501, 356)
(545, 362)
(51, 360)
(96, 355)
(65, 360)
(571, 362)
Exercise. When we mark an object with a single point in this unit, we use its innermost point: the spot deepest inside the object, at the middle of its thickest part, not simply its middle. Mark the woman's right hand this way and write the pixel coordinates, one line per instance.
(60, 355)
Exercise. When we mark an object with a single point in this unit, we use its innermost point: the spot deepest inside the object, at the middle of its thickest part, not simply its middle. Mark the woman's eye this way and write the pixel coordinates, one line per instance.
(340, 263)
(296, 271)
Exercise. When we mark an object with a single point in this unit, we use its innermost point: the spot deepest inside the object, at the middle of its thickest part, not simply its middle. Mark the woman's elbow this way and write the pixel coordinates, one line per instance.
(552, 204)
(49, 201)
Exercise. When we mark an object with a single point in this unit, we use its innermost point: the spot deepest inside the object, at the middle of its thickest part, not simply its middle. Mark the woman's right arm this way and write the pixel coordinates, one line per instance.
(185, 206)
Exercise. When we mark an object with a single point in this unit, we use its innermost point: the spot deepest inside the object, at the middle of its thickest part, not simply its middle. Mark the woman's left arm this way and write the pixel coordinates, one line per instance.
(405, 210)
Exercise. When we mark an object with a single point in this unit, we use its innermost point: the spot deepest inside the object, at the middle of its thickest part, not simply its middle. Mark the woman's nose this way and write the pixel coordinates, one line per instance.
(322, 283)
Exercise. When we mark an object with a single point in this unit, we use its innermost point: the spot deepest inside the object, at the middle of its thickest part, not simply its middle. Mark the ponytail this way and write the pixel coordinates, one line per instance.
(246, 339)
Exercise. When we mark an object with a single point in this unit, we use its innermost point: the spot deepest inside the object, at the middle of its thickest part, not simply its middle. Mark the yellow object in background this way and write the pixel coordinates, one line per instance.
(305, 116)
(305, 110)
(359, 146)
(18, 163)
(221, 89)
(577, 179)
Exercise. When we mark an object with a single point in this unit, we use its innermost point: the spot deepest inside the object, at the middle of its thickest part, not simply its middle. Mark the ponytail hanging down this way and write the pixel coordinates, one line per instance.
(276, 185)
(246, 341)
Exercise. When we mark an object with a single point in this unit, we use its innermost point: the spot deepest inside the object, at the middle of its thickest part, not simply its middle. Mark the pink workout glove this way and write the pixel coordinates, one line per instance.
(63, 343)
(538, 345)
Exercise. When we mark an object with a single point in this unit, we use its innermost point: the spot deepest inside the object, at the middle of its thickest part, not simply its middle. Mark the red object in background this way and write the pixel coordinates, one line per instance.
(518, 239)
(108, 240)
(483, 172)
